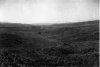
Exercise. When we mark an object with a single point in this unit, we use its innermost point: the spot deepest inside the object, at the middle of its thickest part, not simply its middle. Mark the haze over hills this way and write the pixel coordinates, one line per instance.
(48, 11)
(52, 45)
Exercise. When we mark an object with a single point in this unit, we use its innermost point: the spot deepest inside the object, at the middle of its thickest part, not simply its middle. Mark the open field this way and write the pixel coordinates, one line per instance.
(59, 45)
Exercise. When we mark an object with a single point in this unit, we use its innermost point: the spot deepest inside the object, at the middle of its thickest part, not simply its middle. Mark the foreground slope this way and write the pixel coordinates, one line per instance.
(72, 45)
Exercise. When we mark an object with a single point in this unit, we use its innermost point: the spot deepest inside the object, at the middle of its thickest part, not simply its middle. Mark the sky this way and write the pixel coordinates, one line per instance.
(48, 11)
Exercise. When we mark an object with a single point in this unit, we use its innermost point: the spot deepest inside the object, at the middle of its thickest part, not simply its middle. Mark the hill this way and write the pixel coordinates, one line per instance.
(72, 45)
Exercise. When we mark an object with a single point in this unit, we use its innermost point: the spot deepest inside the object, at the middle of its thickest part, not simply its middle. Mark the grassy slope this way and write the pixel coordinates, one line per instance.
(28, 34)
(71, 45)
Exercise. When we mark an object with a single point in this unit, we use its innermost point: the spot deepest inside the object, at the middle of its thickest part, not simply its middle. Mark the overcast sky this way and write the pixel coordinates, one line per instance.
(48, 11)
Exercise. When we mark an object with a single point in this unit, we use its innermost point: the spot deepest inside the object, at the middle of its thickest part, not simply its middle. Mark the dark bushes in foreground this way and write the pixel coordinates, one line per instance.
(40, 58)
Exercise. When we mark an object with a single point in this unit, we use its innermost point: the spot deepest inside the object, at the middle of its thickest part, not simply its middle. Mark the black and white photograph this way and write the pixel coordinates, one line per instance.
(49, 33)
